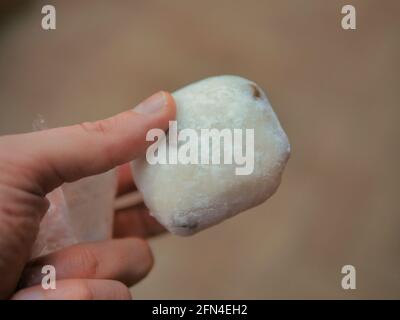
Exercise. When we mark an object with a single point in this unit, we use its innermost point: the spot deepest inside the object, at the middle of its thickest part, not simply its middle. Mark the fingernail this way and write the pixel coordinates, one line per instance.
(152, 105)
(29, 294)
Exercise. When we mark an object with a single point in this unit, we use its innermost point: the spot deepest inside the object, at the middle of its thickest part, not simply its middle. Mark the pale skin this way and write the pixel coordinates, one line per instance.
(34, 164)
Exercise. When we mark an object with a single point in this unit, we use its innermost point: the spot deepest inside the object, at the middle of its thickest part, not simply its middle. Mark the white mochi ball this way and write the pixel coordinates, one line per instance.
(188, 197)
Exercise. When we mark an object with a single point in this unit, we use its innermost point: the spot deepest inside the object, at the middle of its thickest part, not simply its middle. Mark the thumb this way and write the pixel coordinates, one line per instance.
(66, 154)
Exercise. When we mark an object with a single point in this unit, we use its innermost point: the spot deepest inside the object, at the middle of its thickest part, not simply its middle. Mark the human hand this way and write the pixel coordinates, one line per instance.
(34, 164)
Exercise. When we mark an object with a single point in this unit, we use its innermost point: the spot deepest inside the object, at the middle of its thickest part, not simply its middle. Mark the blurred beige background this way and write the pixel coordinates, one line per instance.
(336, 93)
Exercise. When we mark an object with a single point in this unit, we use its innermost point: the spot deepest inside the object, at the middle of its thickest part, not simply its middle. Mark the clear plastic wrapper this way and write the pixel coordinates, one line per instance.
(79, 212)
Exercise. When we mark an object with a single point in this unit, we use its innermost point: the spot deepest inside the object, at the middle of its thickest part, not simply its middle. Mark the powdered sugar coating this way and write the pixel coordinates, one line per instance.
(189, 198)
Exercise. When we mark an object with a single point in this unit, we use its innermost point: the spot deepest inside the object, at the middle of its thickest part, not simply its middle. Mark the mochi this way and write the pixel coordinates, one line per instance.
(186, 197)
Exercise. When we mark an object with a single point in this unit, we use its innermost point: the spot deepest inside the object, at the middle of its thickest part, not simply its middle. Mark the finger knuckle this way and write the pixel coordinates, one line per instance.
(88, 261)
(147, 259)
(83, 291)
(121, 292)
(105, 129)
(101, 126)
